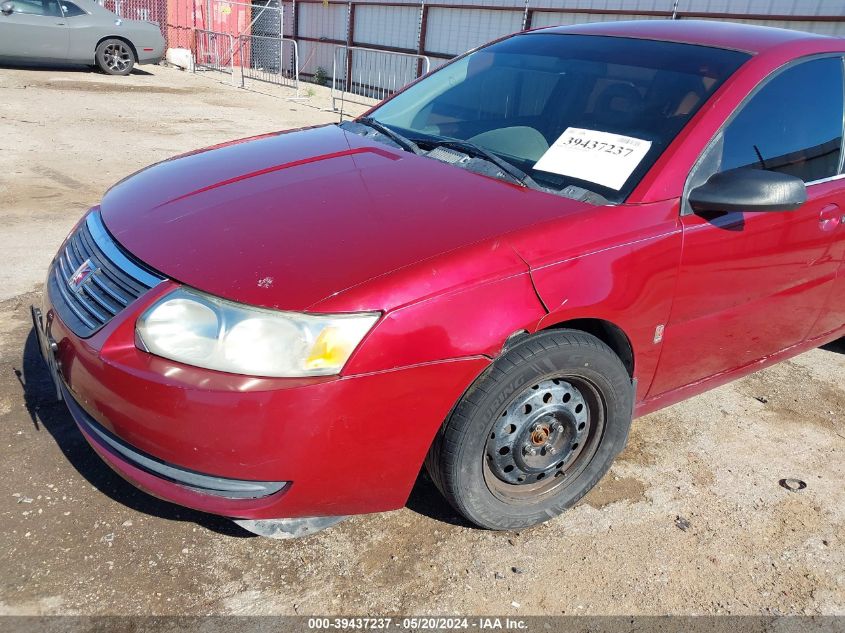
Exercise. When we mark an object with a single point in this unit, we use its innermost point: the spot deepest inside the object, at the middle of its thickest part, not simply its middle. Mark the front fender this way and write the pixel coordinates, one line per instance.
(468, 323)
(620, 266)
(457, 305)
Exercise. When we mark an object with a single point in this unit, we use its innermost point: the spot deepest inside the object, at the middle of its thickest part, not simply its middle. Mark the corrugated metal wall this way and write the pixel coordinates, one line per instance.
(394, 27)
(441, 29)
(764, 7)
(453, 31)
(446, 28)
(555, 18)
(317, 23)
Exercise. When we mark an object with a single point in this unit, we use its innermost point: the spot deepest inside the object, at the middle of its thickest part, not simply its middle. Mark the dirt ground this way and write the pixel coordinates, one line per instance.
(690, 520)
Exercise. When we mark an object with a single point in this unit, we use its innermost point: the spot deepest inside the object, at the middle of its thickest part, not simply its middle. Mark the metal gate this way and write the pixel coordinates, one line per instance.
(215, 51)
(247, 41)
(269, 59)
(368, 75)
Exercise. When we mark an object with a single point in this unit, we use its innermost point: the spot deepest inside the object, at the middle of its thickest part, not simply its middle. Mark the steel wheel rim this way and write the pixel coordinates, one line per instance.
(551, 430)
(117, 57)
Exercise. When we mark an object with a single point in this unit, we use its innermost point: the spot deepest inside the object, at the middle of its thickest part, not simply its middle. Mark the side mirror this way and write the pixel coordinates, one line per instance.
(751, 190)
(7, 8)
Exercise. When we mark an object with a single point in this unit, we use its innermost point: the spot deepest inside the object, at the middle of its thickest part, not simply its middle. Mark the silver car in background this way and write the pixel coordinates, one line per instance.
(76, 32)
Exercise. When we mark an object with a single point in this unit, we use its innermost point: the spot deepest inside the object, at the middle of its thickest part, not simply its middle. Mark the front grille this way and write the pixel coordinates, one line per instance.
(109, 281)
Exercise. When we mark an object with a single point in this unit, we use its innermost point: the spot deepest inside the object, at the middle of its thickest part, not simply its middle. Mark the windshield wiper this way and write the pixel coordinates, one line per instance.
(472, 149)
(402, 141)
(523, 179)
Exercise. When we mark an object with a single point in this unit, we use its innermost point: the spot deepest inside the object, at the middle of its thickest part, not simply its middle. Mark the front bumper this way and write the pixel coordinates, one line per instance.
(115, 450)
(334, 446)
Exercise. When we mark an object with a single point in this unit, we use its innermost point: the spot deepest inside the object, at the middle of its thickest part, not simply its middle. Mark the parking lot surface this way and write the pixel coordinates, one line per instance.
(690, 520)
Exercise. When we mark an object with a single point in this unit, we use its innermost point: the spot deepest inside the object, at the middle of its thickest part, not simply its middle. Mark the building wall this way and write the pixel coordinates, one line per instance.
(444, 28)
(441, 29)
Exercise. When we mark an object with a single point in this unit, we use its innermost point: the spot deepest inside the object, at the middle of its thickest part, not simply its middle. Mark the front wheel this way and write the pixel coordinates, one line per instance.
(535, 432)
(115, 57)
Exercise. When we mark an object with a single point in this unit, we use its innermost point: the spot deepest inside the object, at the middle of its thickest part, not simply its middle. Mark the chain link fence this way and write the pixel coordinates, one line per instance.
(148, 10)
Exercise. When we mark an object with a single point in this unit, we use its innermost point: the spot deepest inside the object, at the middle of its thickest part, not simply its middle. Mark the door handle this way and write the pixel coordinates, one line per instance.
(831, 217)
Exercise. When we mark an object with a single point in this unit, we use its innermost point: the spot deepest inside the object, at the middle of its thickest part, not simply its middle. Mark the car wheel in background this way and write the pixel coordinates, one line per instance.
(115, 57)
(535, 432)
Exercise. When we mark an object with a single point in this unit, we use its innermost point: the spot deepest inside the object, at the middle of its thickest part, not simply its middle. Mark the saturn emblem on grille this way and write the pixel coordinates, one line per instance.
(81, 275)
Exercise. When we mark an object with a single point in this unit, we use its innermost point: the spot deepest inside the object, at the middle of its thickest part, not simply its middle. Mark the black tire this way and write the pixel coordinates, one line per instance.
(556, 371)
(115, 57)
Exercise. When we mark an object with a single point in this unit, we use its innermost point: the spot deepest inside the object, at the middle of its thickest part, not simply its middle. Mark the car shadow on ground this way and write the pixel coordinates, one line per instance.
(837, 346)
(69, 68)
(48, 414)
(426, 500)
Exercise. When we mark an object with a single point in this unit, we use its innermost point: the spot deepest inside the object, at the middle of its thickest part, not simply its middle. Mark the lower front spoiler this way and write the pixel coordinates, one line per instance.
(135, 467)
(112, 449)
(288, 528)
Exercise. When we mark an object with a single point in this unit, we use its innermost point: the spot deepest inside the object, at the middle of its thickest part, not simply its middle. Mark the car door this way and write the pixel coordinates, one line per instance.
(753, 284)
(34, 29)
(833, 314)
(85, 30)
(832, 317)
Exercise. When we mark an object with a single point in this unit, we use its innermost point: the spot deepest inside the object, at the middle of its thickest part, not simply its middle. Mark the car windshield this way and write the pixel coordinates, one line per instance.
(590, 112)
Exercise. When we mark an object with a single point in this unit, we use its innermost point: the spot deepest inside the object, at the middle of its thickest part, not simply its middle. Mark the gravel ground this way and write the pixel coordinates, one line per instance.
(690, 520)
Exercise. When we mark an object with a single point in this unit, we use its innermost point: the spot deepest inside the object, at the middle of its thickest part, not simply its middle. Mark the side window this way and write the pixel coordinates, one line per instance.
(38, 7)
(793, 124)
(71, 10)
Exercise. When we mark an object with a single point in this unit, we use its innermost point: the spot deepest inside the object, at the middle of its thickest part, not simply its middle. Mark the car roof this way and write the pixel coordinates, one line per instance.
(719, 34)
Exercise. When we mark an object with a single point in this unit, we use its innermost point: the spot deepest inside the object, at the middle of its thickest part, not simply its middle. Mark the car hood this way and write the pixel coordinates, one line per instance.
(288, 219)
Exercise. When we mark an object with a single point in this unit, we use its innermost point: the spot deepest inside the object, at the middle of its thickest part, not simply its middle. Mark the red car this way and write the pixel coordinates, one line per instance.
(491, 273)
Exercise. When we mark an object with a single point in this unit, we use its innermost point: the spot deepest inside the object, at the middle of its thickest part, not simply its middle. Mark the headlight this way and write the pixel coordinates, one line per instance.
(197, 329)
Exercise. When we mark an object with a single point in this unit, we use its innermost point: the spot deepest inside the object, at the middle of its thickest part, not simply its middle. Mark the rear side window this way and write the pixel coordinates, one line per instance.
(71, 10)
(38, 7)
(793, 124)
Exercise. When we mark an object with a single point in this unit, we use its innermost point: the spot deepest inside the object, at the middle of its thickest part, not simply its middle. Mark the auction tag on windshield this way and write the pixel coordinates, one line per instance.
(600, 157)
